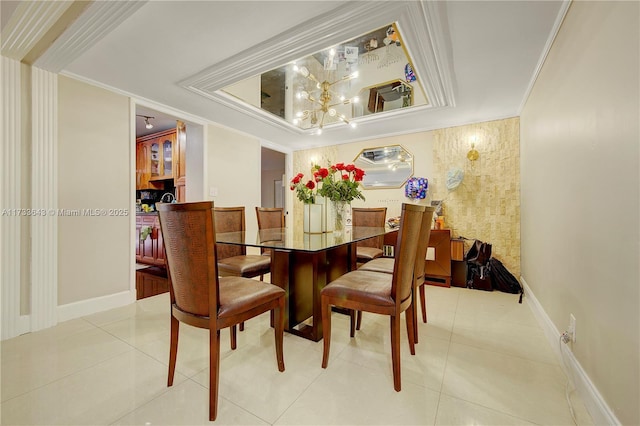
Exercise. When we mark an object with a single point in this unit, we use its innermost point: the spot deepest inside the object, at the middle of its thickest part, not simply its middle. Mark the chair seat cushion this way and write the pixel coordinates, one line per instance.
(364, 254)
(244, 266)
(238, 294)
(381, 264)
(369, 287)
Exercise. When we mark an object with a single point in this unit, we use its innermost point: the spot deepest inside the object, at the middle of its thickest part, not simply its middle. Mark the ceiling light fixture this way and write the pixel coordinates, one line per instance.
(147, 124)
(323, 99)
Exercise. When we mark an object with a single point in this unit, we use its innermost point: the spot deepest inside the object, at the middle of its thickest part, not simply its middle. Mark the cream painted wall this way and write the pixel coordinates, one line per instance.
(580, 194)
(94, 252)
(233, 168)
(419, 144)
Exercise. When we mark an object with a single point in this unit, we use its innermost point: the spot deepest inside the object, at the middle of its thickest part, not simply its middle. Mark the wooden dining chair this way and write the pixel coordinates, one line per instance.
(202, 299)
(386, 294)
(269, 218)
(233, 260)
(370, 248)
(386, 265)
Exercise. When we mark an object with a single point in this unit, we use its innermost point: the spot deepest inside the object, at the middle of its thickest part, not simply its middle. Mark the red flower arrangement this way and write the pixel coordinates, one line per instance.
(337, 183)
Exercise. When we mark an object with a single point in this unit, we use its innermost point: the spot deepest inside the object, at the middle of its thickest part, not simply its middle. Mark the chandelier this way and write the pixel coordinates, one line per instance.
(323, 98)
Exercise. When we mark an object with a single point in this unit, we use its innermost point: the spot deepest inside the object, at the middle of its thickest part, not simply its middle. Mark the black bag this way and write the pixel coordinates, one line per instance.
(478, 277)
(503, 280)
(479, 253)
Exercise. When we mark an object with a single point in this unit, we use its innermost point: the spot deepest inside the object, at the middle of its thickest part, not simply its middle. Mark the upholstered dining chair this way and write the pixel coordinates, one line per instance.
(381, 293)
(386, 264)
(202, 299)
(269, 218)
(233, 261)
(370, 248)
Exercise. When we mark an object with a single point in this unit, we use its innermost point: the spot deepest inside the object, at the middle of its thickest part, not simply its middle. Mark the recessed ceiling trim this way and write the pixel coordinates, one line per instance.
(28, 23)
(419, 29)
(330, 28)
(427, 45)
(99, 19)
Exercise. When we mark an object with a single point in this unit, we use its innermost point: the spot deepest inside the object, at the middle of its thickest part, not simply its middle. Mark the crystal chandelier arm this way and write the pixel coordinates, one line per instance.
(313, 78)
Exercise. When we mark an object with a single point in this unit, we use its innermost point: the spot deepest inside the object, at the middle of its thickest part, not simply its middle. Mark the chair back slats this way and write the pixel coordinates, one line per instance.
(370, 216)
(189, 240)
(423, 244)
(406, 248)
(270, 218)
(229, 219)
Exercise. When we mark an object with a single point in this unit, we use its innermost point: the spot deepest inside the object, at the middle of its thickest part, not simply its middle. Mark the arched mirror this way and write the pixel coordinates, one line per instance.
(384, 97)
(385, 166)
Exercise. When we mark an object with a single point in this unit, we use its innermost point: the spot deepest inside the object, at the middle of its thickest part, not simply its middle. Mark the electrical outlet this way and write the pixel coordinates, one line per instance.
(572, 327)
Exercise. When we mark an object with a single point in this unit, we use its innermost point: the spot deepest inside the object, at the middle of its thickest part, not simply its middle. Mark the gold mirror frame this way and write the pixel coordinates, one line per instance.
(385, 166)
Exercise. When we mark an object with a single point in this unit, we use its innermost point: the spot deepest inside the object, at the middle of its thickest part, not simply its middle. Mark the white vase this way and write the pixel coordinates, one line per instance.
(315, 217)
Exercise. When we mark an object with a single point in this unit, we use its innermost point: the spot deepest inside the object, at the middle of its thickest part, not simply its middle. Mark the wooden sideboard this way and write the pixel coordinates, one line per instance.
(447, 266)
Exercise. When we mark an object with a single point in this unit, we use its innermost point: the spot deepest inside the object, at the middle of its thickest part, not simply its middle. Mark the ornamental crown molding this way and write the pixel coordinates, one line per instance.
(421, 25)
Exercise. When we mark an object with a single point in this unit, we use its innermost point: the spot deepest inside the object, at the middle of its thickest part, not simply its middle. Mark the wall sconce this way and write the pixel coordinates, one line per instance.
(473, 154)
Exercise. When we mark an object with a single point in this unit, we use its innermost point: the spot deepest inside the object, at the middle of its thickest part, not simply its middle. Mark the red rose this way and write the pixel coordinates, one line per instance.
(350, 168)
(345, 177)
(317, 176)
(311, 184)
(359, 174)
(339, 166)
(323, 172)
(296, 178)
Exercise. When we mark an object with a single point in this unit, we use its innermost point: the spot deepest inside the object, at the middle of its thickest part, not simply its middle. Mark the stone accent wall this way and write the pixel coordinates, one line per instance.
(486, 206)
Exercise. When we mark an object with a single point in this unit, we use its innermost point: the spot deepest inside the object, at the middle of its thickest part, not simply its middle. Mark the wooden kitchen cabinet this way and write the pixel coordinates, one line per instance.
(155, 159)
(181, 161)
(149, 251)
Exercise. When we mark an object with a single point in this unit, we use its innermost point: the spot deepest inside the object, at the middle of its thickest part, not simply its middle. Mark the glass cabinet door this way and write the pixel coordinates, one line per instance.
(167, 157)
(155, 159)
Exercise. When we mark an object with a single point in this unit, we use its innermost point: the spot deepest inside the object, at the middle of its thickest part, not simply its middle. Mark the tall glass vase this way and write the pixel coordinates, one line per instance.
(339, 215)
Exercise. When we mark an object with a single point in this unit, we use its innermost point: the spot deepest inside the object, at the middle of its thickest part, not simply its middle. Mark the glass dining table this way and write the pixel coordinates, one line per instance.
(302, 264)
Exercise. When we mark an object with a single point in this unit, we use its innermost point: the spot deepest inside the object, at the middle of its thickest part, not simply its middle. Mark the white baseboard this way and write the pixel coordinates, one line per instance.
(97, 304)
(595, 404)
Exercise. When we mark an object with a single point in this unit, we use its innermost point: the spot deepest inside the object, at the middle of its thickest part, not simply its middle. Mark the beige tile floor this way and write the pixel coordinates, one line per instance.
(482, 359)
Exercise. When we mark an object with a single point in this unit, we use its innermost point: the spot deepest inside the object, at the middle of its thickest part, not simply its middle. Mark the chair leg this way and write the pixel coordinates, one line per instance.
(359, 320)
(410, 315)
(352, 323)
(242, 326)
(214, 370)
(395, 351)
(326, 331)
(414, 304)
(234, 340)
(278, 315)
(173, 349)
(423, 304)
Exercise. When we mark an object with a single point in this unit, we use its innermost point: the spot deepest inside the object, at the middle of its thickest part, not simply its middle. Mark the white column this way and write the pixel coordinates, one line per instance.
(10, 198)
(44, 195)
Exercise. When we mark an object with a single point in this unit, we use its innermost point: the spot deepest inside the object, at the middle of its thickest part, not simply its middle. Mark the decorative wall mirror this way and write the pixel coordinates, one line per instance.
(383, 97)
(385, 166)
